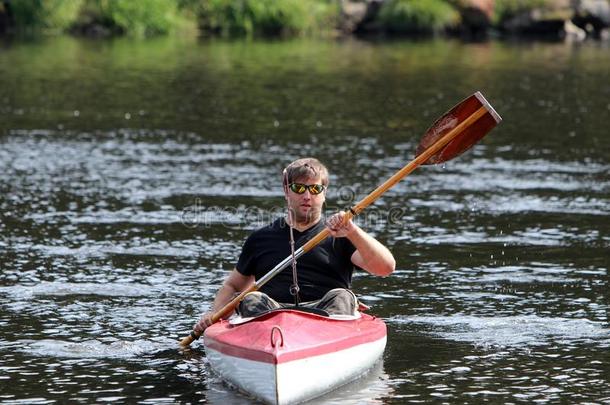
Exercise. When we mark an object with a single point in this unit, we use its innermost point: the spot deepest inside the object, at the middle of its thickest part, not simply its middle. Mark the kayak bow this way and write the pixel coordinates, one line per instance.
(289, 356)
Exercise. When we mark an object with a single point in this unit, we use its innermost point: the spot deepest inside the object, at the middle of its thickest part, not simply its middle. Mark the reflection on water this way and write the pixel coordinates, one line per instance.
(131, 173)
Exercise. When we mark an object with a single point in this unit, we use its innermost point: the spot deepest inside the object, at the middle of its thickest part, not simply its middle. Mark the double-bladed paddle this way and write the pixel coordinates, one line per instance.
(451, 135)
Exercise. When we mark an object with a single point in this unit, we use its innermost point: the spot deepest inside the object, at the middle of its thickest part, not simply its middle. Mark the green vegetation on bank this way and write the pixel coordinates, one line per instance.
(405, 16)
(143, 18)
(137, 18)
(267, 17)
(101, 17)
(52, 15)
(504, 9)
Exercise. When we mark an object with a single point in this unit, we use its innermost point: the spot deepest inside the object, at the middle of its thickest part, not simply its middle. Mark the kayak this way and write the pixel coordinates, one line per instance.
(288, 356)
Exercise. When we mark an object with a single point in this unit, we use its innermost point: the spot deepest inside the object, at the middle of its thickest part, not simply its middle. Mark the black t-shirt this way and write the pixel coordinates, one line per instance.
(326, 266)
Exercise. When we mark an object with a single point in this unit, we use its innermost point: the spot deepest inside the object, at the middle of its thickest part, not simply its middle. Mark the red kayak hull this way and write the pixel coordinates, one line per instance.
(290, 356)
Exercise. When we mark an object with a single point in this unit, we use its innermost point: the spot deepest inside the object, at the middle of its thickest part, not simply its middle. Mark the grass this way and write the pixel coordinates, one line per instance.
(417, 16)
(267, 17)
(139, 18)
(505, 9)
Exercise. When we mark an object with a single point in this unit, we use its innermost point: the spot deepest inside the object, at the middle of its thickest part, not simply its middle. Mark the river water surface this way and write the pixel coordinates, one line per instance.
(131, 173)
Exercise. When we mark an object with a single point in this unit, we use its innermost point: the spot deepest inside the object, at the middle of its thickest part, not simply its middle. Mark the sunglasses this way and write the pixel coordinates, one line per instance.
(299, 188)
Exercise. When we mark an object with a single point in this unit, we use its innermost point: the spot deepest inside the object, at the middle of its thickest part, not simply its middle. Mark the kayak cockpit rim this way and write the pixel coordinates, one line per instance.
(238, 320)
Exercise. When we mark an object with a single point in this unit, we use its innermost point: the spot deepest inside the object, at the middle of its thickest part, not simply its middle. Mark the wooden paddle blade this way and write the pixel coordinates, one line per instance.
(468, 137)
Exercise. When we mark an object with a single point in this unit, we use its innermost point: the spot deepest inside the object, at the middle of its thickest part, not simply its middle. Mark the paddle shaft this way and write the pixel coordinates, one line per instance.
(355, 210)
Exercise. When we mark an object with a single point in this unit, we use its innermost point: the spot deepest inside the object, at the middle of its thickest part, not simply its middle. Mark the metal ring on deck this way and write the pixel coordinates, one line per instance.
(274, 336)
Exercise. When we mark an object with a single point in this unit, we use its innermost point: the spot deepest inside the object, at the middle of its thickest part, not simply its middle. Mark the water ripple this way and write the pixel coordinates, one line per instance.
(512, 331)
(67, 289)
(96, 349)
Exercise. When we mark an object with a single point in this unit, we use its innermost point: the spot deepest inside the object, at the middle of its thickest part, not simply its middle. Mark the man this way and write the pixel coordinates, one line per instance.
(324, 273)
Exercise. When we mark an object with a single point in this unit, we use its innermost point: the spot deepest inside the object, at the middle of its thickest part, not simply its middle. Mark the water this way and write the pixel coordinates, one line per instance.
(131, 173)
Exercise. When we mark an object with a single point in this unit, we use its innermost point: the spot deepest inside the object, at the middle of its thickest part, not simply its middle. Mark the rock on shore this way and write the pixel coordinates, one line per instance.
(576, 19)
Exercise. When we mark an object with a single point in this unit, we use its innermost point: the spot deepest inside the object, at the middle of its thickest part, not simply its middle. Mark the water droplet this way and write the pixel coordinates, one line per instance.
(76, 113)
(127, 116)
(276, 123)
(319, 124)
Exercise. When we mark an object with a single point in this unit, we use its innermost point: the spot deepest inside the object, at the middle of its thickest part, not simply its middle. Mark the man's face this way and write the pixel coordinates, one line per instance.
(307, 207)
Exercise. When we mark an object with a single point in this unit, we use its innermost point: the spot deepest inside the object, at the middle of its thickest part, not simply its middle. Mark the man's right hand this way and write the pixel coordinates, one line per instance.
(232, 285)
(204, 322)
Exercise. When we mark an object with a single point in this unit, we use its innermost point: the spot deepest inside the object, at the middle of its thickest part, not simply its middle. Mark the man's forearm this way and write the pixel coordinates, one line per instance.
(223, 297)
(377, 259)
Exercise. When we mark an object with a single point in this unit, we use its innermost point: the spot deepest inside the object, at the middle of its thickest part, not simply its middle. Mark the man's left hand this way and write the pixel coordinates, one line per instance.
(340, 225)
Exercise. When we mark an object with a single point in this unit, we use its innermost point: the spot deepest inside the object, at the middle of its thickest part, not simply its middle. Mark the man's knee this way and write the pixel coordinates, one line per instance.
(255, 303)
(339, 301)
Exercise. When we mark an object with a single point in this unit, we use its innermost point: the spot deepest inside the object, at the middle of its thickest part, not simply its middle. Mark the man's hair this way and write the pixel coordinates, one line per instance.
(306, 168)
